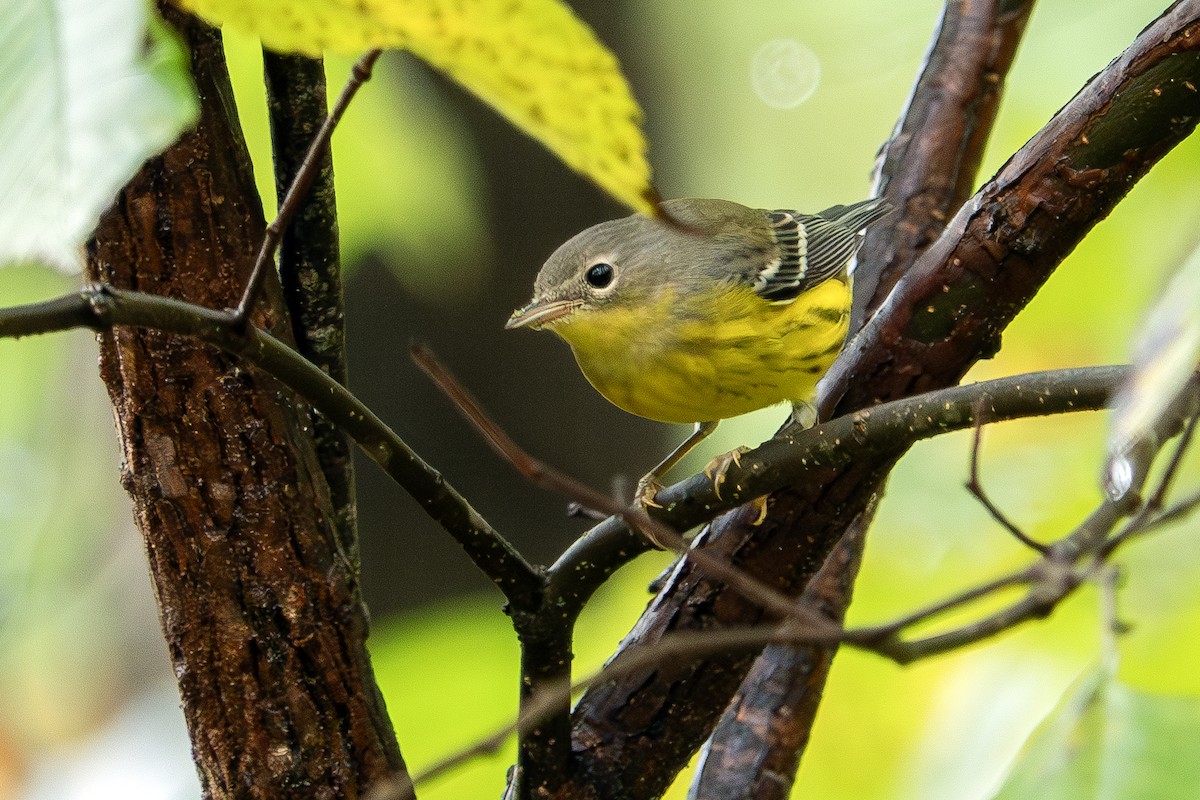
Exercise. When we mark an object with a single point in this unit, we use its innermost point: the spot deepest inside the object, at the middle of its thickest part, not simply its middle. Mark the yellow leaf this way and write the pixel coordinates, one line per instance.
(532, 60)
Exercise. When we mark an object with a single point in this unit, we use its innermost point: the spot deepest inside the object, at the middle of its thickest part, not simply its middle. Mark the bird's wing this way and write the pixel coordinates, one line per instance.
(812, 248)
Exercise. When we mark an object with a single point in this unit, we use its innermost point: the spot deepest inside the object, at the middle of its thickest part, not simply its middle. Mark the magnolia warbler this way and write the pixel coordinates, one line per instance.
(734, 310)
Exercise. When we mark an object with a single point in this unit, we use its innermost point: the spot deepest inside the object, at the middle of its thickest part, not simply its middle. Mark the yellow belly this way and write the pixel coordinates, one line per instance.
(684, 362)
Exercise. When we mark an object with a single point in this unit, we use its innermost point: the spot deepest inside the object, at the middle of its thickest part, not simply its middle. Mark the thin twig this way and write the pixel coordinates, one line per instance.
(1051, 580)
(869, 636)
(101, 308)
(547, 477)
(359, 74)
(682, 646)
(1148, 515)
(1174, 512)
(975, 487)
(310, 269)
(675, 648)
(537, 472)
(834, 444)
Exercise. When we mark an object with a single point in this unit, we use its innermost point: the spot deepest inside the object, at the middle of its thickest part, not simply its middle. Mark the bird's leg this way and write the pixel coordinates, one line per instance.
(804, 414)
(649, 486)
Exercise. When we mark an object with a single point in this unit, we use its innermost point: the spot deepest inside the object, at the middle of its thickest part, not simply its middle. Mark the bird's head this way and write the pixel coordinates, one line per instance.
(635, 260)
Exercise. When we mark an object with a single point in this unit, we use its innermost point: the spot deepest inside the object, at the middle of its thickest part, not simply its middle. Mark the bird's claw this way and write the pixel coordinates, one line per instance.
(761, 504)
(716, 472)
(716, 469)
(648, 487)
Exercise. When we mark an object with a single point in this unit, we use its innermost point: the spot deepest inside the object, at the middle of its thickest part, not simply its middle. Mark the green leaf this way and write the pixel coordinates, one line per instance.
(534, 61)
(87, 92)
(1108, 740)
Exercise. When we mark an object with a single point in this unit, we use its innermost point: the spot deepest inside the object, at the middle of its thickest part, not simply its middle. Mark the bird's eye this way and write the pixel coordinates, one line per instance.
(599, 275)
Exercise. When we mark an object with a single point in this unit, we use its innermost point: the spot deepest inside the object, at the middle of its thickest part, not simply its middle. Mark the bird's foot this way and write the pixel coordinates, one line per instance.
(648, 487)
(716, 469)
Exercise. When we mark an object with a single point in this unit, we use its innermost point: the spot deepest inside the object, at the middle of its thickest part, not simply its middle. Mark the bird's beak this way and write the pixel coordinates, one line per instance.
(539, 313)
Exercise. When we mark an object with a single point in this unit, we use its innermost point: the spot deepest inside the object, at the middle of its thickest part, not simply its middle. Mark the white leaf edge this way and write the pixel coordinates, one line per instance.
(88, 91)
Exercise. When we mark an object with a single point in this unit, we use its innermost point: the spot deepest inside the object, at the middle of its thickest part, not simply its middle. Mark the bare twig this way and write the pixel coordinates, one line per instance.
(832, 445)
(897, 424)
(359, 74)
(677, 648)
(310, 273)
(975, 487)
(1049, 580)
(870, 637)
(102, 308)
(1074, 559)
(544, 749)
(1155, 503)
(547, 477)
(814, 629)
(1148, 516)
(1174, 512)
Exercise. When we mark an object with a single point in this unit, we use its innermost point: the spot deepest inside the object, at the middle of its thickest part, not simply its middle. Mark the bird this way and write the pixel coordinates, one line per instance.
(728, 310)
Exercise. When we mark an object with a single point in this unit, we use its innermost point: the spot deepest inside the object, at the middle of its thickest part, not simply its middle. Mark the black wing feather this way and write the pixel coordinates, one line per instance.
(814, 247)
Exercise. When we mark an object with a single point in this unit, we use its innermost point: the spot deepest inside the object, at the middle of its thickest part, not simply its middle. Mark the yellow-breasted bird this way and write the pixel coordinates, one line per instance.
(734, 310)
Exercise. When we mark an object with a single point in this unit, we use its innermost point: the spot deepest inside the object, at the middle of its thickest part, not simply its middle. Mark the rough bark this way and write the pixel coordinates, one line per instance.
(258, 601)
(933, 156)
(755, 750)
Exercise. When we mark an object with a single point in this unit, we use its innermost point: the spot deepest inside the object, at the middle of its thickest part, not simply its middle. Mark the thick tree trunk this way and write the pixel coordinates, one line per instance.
(260, 605)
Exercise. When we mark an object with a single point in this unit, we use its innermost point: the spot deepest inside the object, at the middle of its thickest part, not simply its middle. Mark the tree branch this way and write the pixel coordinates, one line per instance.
(545, 633)
(975, 486)
(930, 162)
(103, 308)
(755, 749)
(769, 730)
(1066, 564)
(310, 261)
(944, 314)
(808, 455)
(836, 442)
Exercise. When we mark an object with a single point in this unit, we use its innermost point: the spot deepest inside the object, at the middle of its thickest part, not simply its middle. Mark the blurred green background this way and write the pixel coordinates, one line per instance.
(446, 214)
